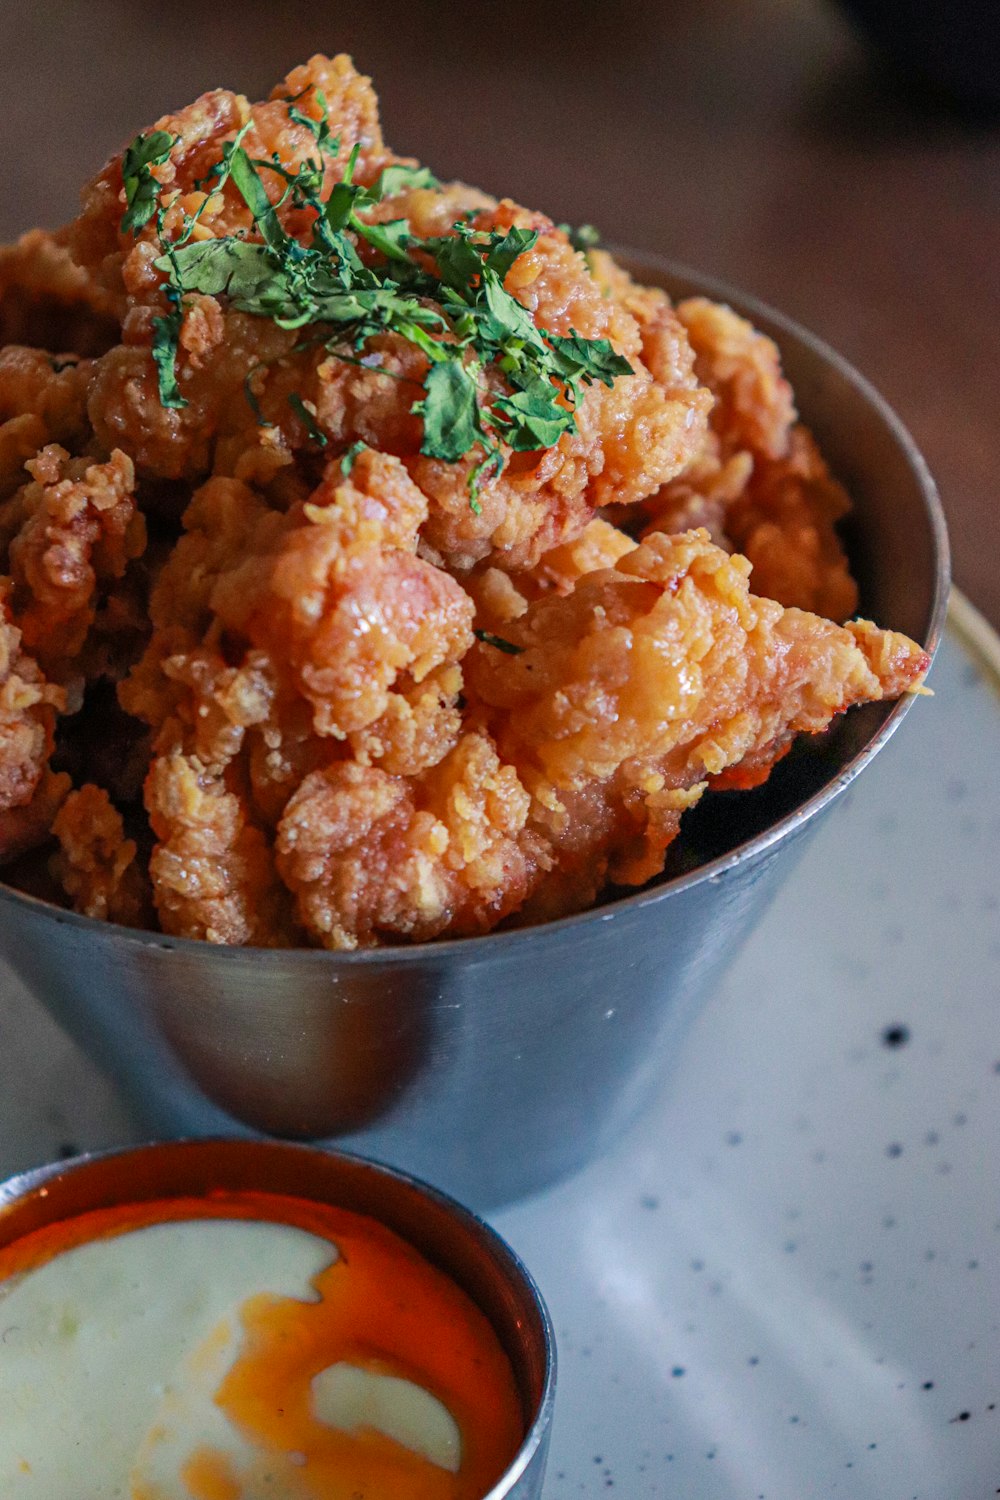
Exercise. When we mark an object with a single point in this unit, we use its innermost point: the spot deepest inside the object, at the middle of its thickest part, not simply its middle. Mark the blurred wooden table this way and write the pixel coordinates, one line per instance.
(749, 138)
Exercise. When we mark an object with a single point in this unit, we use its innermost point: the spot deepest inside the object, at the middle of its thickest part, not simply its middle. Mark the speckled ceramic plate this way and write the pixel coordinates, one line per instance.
(785, 1283)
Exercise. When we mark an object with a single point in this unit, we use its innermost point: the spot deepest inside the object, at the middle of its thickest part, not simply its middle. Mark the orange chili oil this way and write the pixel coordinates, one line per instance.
(381, 1307)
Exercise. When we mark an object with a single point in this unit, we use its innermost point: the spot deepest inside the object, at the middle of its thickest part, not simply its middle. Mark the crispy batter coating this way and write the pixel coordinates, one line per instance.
(80, 532)
(50, 302)
(347, 555)
(96, 864)
(28, 707)
(784, 522)
(376, 857)
(365, 702)
(754, 408)
(43, 399)
(649, 679)
(759, 484)
(212, 871)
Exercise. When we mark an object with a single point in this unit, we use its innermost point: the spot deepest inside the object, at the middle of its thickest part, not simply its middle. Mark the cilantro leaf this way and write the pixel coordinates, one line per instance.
(514, 243)
(506, 318)
(166, 332)
(582, 236)
(141, 187)
(388, 238)
(575, 358)
(459, 264)
(488, 639)
(213, 266)
(532, 418)
(347, 461)
(401, 179)
(244, 174)
(307, 419)
(450, 410)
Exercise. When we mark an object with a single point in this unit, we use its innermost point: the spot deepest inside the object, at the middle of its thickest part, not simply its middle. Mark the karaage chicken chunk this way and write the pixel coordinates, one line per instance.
(759, 484)
(379, 561)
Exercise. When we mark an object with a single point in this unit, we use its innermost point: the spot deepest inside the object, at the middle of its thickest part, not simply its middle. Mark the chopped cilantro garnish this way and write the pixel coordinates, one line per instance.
(450, 409)
(347, 461)
(320, 129)
(141, 187)
(402, 179)
(581, 236)
(166, 331)
(445, 294)
(498, 641)
(307, 419)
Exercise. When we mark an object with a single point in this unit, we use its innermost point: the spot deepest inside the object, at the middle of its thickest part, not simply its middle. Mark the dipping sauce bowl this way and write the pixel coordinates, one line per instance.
(223, 1319)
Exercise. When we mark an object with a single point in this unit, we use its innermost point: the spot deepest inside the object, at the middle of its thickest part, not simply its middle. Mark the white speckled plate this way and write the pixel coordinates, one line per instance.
(785, 1283)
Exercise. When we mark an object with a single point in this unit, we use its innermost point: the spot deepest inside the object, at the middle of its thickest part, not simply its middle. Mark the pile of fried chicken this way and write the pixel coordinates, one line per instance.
(272, 673)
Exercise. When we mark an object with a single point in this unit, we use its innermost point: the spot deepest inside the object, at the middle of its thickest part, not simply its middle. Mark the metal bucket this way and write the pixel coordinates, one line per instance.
(494, 1065)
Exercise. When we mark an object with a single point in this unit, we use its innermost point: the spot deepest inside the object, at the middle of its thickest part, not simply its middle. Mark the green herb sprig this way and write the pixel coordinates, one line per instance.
(499, 642)
(444, 294)
(141, 187)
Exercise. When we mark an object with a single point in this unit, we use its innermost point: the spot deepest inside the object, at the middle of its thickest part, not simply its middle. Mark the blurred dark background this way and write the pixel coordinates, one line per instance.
(767, 142)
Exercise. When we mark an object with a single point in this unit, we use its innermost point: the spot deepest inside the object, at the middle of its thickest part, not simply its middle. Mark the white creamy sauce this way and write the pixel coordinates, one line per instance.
(110, 1355)
(349, 1398)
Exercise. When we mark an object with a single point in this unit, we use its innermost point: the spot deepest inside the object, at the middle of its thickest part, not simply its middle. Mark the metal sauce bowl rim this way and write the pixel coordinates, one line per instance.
(23, 1184)
(711, 871)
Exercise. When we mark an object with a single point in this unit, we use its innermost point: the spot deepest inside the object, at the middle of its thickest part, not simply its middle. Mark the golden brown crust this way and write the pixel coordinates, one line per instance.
(212, 872)
(759, 483)
(329, 755)
(28, 707)
(81, 530)
(50, 302)
(96, 864)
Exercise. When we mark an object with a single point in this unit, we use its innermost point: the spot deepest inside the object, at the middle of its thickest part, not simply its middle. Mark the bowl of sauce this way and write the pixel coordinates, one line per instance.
(242, 1320)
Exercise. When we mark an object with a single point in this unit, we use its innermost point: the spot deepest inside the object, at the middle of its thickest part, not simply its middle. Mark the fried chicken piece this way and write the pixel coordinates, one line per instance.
(701, 497)
(754, 407)
(43, 399)
(28, 708)
(629, 696)
(759, 483)
(421, 722)
(212, 872)
(81, 531)
(630, 438)
(332, 628)
(373, 857)
(24, 827)
(784, 522)
(599, 545)
(500, 597)
(339, 600)
(651, 678)
(96, 864)
(196, 701)
(201, 129)
(50, 302)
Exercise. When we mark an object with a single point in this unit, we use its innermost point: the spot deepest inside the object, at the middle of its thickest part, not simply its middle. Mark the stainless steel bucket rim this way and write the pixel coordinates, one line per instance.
(712, 870)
